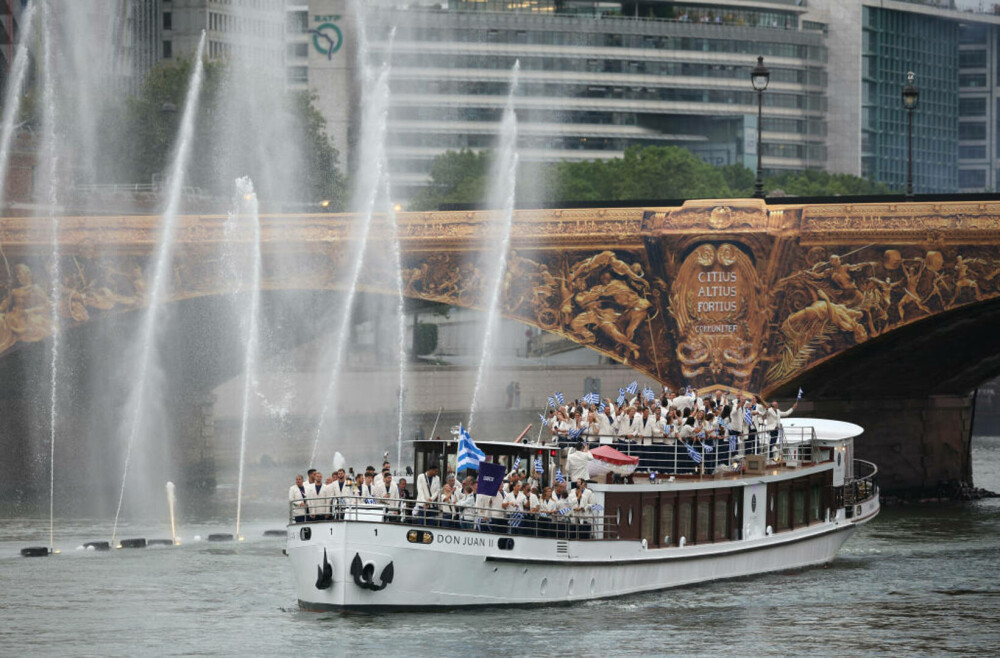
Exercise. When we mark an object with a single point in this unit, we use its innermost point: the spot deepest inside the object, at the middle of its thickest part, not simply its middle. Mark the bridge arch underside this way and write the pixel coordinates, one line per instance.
(913, 392)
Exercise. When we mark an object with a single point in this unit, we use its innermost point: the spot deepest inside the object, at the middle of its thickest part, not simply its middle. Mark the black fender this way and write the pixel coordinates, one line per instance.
(324, 574)
(363, 574)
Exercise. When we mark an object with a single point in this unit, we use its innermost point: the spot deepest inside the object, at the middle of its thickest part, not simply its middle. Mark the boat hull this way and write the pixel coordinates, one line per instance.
(467, 568)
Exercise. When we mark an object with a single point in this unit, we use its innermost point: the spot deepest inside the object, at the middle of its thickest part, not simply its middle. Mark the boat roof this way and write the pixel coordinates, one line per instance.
(826, 430)
(491, 444)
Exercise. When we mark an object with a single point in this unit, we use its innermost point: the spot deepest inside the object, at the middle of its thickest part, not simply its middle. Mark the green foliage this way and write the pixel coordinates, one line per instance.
(650, 173)
(227, 144)
(456, 177)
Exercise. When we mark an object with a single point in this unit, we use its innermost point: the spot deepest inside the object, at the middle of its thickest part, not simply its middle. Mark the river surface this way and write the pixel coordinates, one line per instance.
(918, 580)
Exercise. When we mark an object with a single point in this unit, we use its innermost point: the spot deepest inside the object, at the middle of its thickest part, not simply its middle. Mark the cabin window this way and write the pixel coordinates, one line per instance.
(799, 507)
(782, 514)
(649, 524)
(667, 522)
(704, 520)
(815, 503)
(721, 518)
(684, 520)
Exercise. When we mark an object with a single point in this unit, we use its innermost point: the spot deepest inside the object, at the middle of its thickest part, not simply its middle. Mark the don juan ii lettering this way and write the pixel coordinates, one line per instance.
(464, 540)
(717, 296)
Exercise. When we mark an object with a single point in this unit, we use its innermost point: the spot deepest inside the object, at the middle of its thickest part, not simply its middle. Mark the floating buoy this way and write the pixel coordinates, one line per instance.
(274, 533)
(97, 546)
(133, 543)
(220, 536)
(160, 542)
(35, 551)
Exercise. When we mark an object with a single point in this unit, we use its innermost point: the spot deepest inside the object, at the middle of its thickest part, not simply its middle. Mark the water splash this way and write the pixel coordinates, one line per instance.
(504, 176)
(171, 502)
(147, 361)
(371, 172)
(12, 106)
(247, 206)
(51, 163)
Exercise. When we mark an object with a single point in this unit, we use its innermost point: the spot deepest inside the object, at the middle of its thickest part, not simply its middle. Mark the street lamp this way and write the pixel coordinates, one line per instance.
(759, 77)
(910, 98)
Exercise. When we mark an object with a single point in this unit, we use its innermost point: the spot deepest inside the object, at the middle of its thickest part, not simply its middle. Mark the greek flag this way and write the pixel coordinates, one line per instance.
(748, 417)
(648, 394)
(559, 476)
(563, 511)
(596, 509)
(560, 399)
(575, 432)
(632, 388)
(800, 395)
(552, 402)
(517, 463)
(545, 421)
(538, 465)
(694, 454)
(591, 398)
(621, 397)
(515, 519)
(688, 392)
(369, 501)
(707, 448)
(601, 408)
(732, 443)
(469, 455)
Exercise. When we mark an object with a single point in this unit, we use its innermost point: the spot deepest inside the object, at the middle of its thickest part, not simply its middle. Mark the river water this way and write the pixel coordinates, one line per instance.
(917, 580)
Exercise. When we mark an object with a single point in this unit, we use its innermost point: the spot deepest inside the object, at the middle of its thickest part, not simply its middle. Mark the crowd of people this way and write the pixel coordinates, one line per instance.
(715, 426)
(522, 505)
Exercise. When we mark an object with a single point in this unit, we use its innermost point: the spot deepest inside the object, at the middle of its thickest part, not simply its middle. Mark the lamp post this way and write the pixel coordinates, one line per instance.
(759, 78)
(910, 98)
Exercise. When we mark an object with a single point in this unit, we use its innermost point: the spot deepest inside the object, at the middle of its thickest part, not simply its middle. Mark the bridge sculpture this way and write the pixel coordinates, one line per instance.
(886, 313)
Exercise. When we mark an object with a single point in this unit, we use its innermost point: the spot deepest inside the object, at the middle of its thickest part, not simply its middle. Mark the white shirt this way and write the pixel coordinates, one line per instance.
(298, 498)
(315, 499)
(606, 427)
(576, 464)
(427, 494)
(580, 503)
(772, 418)
(514, 502)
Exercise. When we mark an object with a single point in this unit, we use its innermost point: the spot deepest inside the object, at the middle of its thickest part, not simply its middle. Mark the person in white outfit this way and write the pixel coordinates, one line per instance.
(297, 499)
(772, 423)
(428, 490)
(581, 500)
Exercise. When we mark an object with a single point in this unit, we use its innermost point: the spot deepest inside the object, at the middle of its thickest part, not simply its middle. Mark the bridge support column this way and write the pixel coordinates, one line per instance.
(922, 447)
(194, 454)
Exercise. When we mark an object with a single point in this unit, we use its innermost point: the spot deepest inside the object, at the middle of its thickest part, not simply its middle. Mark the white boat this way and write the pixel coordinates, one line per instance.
(789, 508)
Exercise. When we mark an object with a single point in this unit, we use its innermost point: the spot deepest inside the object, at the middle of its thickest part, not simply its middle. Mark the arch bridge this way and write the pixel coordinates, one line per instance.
(885, 313)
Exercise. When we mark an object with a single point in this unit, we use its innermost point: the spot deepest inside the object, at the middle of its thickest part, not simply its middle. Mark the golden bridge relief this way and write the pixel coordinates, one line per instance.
(736, 292)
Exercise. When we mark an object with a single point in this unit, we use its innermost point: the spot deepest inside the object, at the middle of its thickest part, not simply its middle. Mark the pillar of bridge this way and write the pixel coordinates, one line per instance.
(922, 447)
(194, 439)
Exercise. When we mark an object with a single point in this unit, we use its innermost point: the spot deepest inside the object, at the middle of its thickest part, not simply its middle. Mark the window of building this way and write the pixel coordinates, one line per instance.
(972, 59)
(972, 80)
(298, 22)
(971, 178)
(971, 107)
(972, 33)
(298, 50)
(297, 74)
(168, 49)
(971, 152)
(168, 20)
(971, 131)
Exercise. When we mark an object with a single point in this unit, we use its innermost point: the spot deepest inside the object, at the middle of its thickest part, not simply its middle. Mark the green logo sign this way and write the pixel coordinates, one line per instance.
(327, 37)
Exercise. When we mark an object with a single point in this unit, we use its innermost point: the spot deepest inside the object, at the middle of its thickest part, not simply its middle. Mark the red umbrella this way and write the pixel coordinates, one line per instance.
(612, 456)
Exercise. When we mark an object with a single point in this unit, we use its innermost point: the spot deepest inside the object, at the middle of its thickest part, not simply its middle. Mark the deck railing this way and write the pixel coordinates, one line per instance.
(582, 524)
(672, 456)
(864, 486)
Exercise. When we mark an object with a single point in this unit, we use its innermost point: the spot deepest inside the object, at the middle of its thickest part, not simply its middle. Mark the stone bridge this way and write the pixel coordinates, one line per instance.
(885, 313)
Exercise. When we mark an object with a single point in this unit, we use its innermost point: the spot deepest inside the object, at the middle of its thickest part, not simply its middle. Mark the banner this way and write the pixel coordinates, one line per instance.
(490, 478)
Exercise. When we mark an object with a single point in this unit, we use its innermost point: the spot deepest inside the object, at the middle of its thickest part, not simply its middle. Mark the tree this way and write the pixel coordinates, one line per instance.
(456, 177)
(279, 141)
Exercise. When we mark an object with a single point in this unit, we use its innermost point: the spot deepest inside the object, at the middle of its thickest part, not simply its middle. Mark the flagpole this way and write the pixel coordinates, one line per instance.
(542, 424)
(433, 429)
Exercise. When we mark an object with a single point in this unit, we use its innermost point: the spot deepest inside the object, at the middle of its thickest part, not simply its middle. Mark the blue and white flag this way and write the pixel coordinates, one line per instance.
(591, 398)
(545, 421)
(707, 448)
(469, 455)
(733, 444)
(552, 402)
(515, 518)
(648, 394)
(538, 465)
(800, 394)
(694, 454)
(575, 432)
(748, 417)
(621, 397)
(600, 409)
(596, 509)
(517, 463)
(559, 476)
(560, 398)
(632, 388)
(563, 511)
(369, 501)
